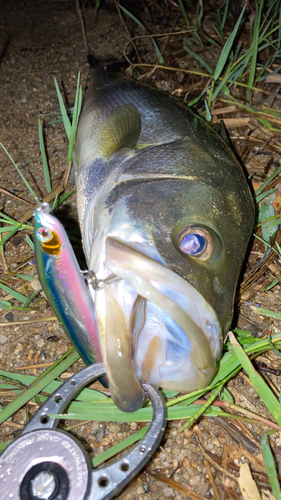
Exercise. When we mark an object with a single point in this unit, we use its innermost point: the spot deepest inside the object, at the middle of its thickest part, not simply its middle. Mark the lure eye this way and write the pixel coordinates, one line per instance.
(50, 241)
(196, 242)
(44, 234)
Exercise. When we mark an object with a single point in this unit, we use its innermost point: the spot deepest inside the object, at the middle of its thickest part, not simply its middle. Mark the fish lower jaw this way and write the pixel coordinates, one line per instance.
(163, 355)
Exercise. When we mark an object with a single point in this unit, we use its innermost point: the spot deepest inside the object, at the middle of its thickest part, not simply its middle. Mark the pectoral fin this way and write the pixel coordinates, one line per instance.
(121, 130)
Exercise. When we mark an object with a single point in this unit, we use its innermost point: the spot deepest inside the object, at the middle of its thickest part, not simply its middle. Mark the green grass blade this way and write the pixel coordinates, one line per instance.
(22, 176)
(14, 293)
(270, 467)
(110, 413)
(268, 180)
(29, 242)
(183, 11)
(44, 158)
(30, 393)
(64, 197)
(227, 47)
(224, 15)
(196, 99)
(203, 408)
(199, 59)
(76, 113)
(25, 277)
(267, 211)
(210, 40)
(266, 312)
(279, 37)
(255, 45)
(218, 32)
(4, 304)
(220, 87)
(259, 384)
(86, 395)
(226, 396)
(6, 229)
(160, 58)
(264, 195)
(31, 298)
(5, 218)
(224, 56)
(229, 363)
(273, 346)
(208, 112)
(272, 285)
(65, 119)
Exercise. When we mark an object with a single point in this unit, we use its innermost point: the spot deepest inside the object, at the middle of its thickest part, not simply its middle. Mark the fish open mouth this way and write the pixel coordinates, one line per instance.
(154, 326)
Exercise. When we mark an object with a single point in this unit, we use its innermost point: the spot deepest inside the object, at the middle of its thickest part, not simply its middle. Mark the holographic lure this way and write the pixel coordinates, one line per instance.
(63, 284)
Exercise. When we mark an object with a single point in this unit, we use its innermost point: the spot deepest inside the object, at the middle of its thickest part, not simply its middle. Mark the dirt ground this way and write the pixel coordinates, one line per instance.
(40, 41)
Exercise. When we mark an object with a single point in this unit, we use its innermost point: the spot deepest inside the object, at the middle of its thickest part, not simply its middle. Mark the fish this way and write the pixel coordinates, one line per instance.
(165, 207)
(64, 284)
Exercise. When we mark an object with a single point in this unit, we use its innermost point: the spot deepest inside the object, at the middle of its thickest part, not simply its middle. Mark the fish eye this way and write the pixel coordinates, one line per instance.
(44, 234)
(196, 242)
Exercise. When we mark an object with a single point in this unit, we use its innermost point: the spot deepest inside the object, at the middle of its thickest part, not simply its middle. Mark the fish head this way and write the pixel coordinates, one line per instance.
(176, 239)
(164, 207)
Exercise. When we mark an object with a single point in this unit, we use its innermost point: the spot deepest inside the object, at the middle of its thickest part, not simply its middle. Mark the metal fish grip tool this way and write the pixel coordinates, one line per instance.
(45, 463)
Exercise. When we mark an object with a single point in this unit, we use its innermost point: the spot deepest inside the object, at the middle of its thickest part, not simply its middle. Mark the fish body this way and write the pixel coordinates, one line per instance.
(66, 289)
(164, 205)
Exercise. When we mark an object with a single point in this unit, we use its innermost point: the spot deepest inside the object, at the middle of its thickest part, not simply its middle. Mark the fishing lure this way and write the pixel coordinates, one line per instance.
(64, 285)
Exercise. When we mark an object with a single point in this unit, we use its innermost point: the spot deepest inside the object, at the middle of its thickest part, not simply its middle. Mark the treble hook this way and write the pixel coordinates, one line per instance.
(96, 283)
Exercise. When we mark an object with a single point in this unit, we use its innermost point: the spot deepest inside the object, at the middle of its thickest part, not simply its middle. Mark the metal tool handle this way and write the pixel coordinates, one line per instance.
(43, 457)
(110, 480)
(61, 398)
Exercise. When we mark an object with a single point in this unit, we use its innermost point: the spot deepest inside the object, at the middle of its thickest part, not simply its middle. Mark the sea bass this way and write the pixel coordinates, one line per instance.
(163, 205)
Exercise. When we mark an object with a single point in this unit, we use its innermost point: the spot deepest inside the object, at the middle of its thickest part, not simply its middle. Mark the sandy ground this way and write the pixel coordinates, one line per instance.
(40, 41)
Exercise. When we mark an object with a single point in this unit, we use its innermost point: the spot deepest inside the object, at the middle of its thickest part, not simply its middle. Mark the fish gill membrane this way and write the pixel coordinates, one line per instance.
(164, 206)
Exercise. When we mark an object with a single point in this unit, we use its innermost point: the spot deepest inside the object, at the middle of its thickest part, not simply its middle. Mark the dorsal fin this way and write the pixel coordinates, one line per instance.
(121, 130)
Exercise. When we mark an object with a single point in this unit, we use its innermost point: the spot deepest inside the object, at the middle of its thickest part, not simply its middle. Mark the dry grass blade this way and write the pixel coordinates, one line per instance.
(256, 274)
(32, 367)
(208, 456)
(235, 433)
(29, 321)
(212, 480)
(4, 191)
(247, 485)
(13, 424)
(235, 122)
(176, 486)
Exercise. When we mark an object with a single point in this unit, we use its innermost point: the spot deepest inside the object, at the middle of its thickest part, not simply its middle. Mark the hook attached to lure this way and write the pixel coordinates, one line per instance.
(64, 285)
(96, 283)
